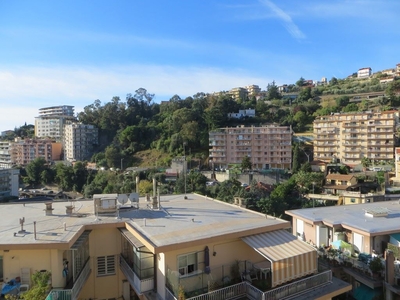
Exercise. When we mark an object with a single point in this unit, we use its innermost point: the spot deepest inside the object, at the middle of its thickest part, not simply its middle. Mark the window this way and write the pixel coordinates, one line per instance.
(187, 264)
(106, 265)
(352, 200)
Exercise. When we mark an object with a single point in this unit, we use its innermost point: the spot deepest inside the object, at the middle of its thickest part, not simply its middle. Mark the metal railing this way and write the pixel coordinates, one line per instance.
(299, 286)
(233, 291)
(80, 281)
(140, 285)
(245, 289)
(71, 294)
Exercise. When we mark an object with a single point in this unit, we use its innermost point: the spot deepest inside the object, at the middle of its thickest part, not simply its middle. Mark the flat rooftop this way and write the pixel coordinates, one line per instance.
(177, 221)
(357, 216)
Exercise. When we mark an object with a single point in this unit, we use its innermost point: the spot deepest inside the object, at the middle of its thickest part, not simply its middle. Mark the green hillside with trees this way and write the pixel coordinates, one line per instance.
(137, 131)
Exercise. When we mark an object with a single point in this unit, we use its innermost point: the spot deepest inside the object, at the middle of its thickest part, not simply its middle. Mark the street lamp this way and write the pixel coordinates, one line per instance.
(184, 166)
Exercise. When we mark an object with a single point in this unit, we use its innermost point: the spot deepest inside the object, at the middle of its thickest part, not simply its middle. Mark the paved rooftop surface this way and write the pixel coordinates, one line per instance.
(177, 221)
(354, 216)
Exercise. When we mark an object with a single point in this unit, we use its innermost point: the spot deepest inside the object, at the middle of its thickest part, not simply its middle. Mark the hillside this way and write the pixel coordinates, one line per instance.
(150, 158)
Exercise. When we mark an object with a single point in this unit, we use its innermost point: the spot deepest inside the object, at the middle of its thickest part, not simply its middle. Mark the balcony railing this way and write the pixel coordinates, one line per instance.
(139, 285)
(72, 294)
(245, 289)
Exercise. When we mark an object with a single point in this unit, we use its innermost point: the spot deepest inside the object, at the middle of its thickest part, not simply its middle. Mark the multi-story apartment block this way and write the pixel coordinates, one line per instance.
(51, 121)
(253, 89)
(5, 154)
(267, 146)
(364, 72)
(9, 182)
(350, 137)
(25, 151)
(79, 140)
(239, 93)
(113, 246)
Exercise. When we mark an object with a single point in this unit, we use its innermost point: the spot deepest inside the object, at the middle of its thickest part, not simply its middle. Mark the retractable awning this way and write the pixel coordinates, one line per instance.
(131, 238)
(290, 258)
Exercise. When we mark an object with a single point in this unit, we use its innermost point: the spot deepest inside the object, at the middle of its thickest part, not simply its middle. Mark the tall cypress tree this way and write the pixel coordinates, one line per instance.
(296, 157)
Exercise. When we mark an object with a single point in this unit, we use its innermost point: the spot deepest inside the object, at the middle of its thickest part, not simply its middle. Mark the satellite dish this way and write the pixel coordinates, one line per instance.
(134, 197)
(122, 199)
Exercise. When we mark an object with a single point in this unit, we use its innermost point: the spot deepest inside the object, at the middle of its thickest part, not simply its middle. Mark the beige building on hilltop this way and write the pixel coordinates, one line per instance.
(267, 146)
(350, 137)
(51, 121)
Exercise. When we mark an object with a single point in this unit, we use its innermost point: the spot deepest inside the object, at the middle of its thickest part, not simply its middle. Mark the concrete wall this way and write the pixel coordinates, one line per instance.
(35, 260)
(103, 242)
(271, 178)
(222, 253)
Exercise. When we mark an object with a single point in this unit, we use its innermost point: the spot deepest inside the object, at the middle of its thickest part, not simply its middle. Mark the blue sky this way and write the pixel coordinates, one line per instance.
(74, 52)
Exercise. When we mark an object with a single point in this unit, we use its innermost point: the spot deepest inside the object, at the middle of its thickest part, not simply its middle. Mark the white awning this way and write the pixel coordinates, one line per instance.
(290, 257)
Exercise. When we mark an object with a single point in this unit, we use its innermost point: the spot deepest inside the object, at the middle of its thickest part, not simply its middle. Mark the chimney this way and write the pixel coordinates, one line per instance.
(49, 208)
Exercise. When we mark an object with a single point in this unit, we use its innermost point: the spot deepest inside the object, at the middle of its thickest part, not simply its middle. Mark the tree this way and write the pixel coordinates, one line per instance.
(40, 288)
(246, 163)
(272, 91)
(350, 107)
(300, 82)
(333, 81)
(34, 170)
(296, 159)
(342, 101)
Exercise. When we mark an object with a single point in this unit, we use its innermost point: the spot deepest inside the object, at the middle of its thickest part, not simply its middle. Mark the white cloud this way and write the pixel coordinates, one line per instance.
(26, 89)
(290, 26)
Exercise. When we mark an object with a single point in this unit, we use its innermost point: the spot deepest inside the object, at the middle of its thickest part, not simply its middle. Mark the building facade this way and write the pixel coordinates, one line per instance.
(5, 154)
(364, 72)
(111, 246)
(267, 146)
(350, 137)
(79, 141)
(25, 151)
(9, 182)
(51, 121)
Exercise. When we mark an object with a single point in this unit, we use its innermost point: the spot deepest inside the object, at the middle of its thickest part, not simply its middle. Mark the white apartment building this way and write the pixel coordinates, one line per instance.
(268, 146)
(5, 155)
(350, 137)
(364, 72)
(79, 140)
(51, 121)
(9, 182)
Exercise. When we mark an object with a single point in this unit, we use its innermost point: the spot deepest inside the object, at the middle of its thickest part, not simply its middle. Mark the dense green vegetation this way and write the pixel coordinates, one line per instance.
(180, 127)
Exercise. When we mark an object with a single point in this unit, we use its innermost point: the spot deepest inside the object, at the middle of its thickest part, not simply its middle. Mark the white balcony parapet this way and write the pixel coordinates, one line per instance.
(139, 285)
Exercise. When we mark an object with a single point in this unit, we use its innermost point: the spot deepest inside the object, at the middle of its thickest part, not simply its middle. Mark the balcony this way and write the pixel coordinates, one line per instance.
(72, 294)
(245, 289)
(140, 285)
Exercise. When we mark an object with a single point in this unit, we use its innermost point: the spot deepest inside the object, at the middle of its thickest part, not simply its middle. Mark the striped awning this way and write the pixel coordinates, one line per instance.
(131, 238)
(290, 258)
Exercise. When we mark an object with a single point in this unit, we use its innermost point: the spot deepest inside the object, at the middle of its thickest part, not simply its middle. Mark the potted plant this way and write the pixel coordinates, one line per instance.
(376, 266)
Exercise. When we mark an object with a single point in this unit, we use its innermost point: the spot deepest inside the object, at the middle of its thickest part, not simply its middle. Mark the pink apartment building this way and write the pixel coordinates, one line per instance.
(24, 151)
(267, 146)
